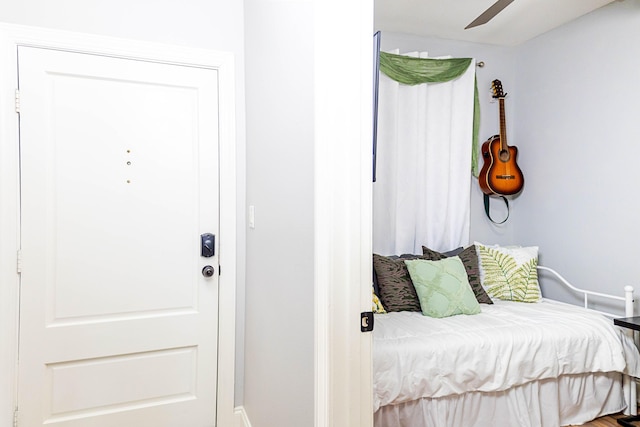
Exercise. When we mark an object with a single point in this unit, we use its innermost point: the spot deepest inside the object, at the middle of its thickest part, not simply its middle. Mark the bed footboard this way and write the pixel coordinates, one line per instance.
(627, 298)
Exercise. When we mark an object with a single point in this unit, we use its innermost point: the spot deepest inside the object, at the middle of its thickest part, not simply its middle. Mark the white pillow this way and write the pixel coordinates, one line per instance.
(509, 272)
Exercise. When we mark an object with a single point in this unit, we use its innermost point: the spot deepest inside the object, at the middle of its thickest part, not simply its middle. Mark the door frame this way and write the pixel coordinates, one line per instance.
(343, 211)
(12, 36)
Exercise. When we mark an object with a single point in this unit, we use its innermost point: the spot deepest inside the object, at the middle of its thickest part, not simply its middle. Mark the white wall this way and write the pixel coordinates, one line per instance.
(499, 64)
(208, 24)
(279, 352)
(578, 109)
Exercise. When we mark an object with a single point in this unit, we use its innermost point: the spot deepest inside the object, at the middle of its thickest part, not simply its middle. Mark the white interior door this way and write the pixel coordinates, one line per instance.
(119, 178)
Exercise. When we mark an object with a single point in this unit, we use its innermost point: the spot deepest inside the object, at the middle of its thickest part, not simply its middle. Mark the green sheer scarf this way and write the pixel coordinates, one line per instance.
(413, 71)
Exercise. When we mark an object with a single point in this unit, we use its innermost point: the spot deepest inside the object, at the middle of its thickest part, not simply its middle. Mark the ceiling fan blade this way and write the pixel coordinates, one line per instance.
(488, 14)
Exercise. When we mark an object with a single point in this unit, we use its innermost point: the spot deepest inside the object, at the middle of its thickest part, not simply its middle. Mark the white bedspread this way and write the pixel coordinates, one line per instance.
(508, 344)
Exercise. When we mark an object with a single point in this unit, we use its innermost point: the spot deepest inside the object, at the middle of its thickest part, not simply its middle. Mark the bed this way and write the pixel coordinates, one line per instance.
(540, 364)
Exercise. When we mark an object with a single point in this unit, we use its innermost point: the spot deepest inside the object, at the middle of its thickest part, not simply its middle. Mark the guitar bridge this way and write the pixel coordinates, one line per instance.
(505, 177)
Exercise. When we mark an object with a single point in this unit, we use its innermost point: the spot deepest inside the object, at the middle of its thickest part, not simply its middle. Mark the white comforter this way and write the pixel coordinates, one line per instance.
(508, 344)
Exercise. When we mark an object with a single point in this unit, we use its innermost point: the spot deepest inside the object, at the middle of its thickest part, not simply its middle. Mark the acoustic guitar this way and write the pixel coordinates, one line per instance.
(500, 175)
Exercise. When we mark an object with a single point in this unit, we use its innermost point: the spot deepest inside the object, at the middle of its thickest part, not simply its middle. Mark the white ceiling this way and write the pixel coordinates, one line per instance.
(520, 21)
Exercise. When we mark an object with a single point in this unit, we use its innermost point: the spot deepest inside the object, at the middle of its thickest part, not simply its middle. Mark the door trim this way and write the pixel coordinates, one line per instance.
(343, 214)
(12, 36)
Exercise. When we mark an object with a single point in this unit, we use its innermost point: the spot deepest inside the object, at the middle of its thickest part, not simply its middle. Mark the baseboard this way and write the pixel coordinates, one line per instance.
(241, 418)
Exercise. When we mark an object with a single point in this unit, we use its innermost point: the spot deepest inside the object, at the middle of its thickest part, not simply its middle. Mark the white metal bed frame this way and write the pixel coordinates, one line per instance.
(628, 383)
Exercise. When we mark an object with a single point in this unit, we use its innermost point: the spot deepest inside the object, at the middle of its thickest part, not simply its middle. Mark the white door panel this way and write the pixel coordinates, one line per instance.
(119, 170)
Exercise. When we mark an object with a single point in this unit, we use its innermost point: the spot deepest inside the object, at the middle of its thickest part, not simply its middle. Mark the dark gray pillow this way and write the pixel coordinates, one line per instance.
(452, 252)
(469, 258)
(395, 288)
(376, 287)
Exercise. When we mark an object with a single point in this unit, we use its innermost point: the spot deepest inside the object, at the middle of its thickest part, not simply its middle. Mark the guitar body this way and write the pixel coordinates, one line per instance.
(500, 174)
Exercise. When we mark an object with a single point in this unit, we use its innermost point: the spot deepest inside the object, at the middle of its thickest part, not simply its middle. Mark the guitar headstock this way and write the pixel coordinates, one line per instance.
(496, 87)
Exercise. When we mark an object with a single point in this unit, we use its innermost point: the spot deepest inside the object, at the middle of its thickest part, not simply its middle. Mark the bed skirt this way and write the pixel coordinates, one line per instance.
(567, 400)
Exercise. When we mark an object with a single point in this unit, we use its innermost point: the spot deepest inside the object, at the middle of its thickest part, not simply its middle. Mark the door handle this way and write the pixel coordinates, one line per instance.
(207, 245)
(208, 271)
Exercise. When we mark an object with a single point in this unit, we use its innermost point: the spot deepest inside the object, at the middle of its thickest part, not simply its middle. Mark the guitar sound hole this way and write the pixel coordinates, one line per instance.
(504, 155)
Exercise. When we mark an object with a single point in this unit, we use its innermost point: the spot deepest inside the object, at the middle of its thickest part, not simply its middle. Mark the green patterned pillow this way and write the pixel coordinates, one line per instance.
(509, 273)
(442, 287)
(469, 258)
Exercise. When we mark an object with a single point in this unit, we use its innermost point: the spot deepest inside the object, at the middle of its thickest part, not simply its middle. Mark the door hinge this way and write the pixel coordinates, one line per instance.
(19, 262)
(17, 100)
(15, 417)
(366, 321)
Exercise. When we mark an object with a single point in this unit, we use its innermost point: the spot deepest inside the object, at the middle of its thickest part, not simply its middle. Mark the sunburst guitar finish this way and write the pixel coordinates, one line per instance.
(500, 174)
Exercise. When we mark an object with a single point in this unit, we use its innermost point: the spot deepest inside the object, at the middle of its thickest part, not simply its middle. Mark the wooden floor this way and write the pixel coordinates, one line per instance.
(608, 421)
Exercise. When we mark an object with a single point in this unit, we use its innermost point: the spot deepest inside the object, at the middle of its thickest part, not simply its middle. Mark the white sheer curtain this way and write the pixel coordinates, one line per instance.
(423, 182)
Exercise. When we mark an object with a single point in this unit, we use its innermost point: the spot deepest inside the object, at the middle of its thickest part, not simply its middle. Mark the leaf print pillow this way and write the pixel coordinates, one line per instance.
(509, 273)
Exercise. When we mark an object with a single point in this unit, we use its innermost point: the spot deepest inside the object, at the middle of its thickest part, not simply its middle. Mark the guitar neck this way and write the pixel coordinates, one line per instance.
(503, 125)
